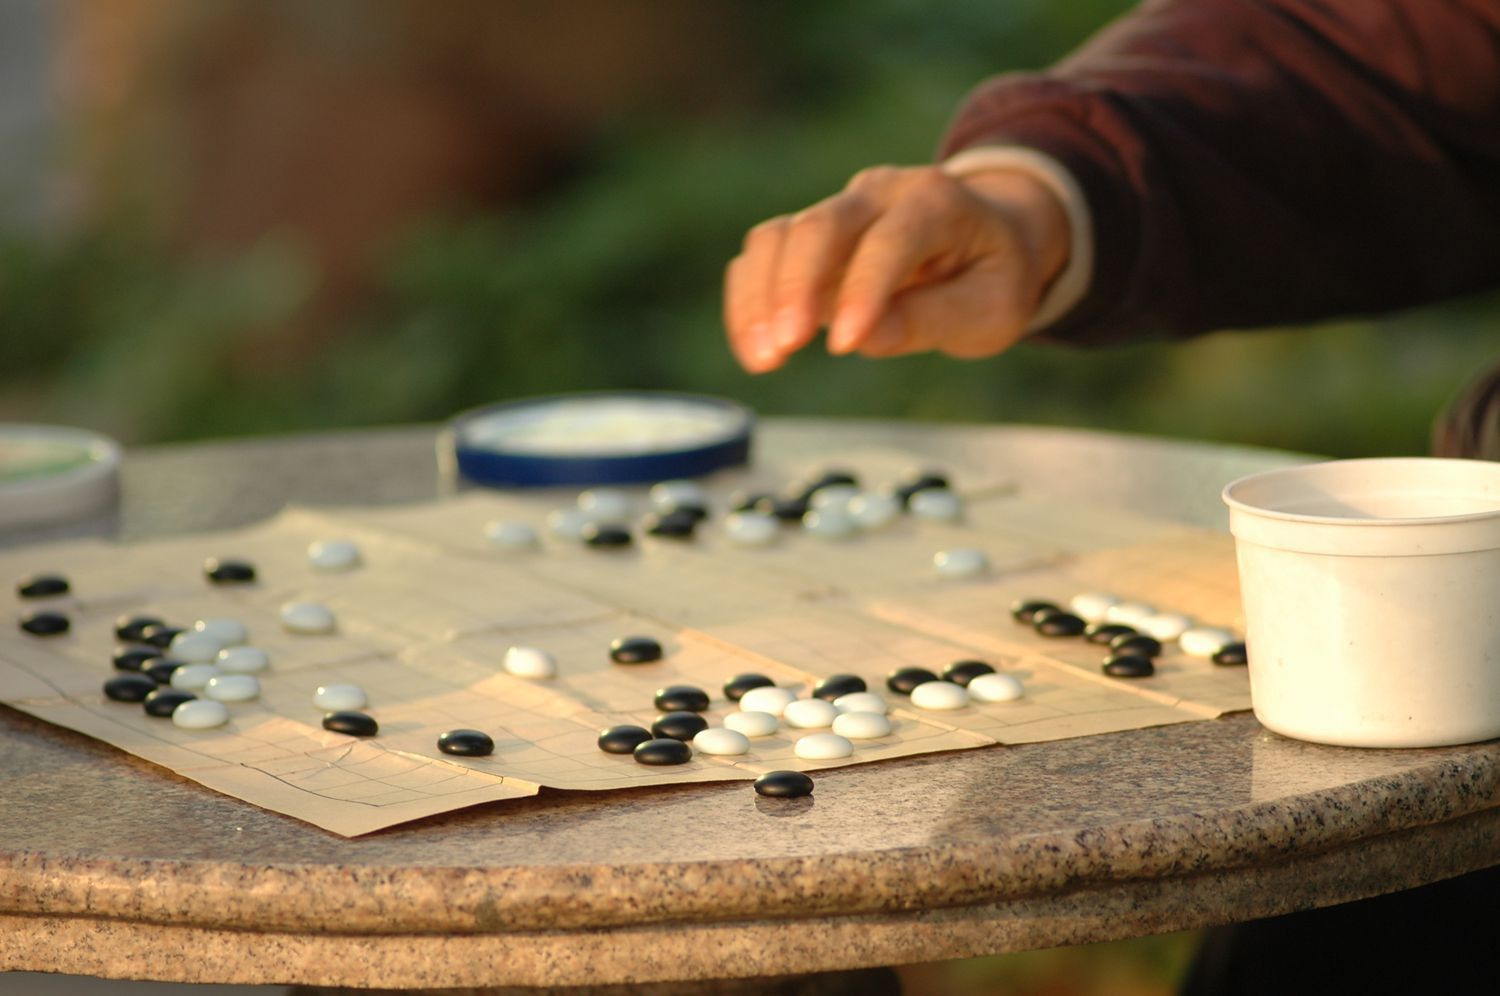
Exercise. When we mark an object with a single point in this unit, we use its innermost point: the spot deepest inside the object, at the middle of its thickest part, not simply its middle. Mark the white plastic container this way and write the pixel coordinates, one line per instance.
(1372, 599)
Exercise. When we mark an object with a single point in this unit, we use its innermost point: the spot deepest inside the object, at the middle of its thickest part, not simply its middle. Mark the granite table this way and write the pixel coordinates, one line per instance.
(112, 867)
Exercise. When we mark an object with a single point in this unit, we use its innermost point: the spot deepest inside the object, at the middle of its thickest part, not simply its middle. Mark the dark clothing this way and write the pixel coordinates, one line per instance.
(1252, 162)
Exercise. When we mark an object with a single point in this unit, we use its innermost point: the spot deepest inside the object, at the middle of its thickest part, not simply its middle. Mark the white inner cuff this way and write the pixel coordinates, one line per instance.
(1069, 286)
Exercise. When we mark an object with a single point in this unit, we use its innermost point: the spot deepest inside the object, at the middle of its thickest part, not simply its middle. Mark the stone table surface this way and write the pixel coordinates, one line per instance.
(110, 866)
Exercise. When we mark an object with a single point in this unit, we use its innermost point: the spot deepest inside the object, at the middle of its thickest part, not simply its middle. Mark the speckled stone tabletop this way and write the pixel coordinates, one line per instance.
(110, 866)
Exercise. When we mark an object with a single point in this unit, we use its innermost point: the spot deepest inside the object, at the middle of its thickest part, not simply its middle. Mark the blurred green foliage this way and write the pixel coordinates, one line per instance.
(611, 279)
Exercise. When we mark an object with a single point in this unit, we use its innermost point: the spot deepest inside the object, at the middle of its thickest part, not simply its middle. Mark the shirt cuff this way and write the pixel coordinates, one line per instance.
(1068, 288)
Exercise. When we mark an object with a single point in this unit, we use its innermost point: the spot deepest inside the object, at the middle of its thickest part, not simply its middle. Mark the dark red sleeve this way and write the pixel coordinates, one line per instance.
(1250, 163)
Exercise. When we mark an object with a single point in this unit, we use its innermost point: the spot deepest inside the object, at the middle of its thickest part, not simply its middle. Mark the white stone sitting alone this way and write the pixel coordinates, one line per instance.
(308, 618)
(936, 505)
(606, 505)
(333, 555)
(513, 536)
(963, 562)
(530, 662)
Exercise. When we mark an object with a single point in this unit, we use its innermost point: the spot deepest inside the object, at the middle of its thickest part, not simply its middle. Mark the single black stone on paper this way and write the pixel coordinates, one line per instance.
(1026, 609)
(784, 784)
(1105, 632)
(666, 750)
(736, 687)
(1231, 654)
(681, 698)
(634, 650)
(904, 679)
(680, 725)
(134, 658)
(963, 672)
(672, 525)
(160, 635)
(622, 739)
(45, 623)
(160, 670)
(606, 535)
(228, 571)
(132, 629)
(42, 586)
(129, 687)
(1050, 622)
(1128, 666)
(835, 685)
(1136, 643)
(466, 743)
(355, 724)
(162, 701)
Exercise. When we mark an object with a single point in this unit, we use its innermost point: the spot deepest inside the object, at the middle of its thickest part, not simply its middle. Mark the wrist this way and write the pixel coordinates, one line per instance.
(1035, 213)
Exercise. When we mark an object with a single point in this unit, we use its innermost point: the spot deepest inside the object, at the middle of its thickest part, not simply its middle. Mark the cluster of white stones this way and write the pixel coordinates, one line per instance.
(1195, 639)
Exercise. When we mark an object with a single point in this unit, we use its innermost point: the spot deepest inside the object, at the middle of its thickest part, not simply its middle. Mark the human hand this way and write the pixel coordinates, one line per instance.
(903, 260)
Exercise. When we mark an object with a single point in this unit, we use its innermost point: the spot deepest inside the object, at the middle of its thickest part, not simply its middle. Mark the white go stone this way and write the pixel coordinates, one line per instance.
(670, 494)
(242, 660)
(807, 714)
(1204, 641)
(200, 714)
(568, 523)
(333, 555)
(939, 695)
(229, 632)
(964, 562)
(192, 677)
(232, 688)
(995, 688)
(833, 496)
(936, 505)
(768, 699)
(823, 747)
(309, 618)
(862, 725)
(513, 536)
(875, 510)
(720, 740)
(1130, 613)
(194, 647)
(340, 697)
(752, 724)
(1093, 606)
(751, 528)
(1165, 626)
(530, 662)
(606, 505)
(831, 522)
(861, 702)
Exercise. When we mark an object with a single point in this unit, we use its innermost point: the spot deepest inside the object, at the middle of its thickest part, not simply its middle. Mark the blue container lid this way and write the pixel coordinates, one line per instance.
(631, 437)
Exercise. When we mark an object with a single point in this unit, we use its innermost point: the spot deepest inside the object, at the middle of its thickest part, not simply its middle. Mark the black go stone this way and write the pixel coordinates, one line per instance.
(736, 687)
(135, 658)
(42, 586)
(697, 511)
(1049, 622)
(904, 679)
(1138, 644)
(229, 571)
(355, 724)
(163, 701)
(679, 725)
(1128, 666)
(681, 698)
(160, 670)
(836, 685)
(634, 650)
(786, 509)
(963, 672)
(466, 743)
(749, 501)
(1026, 609)
(665, 750)
(129, 687)
(45, 623)
(622, 739)
(606, 536)
(1231, 654)
(132, 629)
(160, 635)
(673, 525)
(1104, 632)
(784, 784)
